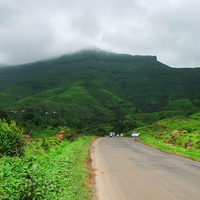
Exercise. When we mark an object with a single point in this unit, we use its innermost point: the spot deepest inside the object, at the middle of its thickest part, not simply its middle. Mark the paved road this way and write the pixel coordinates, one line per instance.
(126, 169)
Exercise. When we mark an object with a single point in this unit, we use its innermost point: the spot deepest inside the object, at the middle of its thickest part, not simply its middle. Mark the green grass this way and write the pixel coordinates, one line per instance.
(55, 172)
(179, 136)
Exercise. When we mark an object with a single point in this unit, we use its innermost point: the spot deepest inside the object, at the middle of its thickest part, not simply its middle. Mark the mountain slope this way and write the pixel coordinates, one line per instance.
(97, 84)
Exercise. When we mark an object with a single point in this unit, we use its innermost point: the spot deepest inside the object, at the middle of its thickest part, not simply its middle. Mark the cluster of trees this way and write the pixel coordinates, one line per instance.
(3, 114)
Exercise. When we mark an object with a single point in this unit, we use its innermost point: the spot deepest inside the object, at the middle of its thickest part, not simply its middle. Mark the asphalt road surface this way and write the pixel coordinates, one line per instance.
(126, 169)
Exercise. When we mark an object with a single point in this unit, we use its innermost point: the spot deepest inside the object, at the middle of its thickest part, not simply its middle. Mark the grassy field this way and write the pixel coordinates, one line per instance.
(48, 170)
(176, 135)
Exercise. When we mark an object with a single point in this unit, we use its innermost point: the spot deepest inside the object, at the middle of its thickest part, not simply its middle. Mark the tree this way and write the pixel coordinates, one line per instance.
(3, 115)
(29, 117)
(101, 131)
(119, 127)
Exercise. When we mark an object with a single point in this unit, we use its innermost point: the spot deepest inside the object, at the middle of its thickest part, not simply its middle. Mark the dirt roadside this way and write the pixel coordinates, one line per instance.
(91, 178)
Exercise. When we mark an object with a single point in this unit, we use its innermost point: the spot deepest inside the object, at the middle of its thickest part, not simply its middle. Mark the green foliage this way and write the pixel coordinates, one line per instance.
(101, 132)
(3, 114)
(45, 143)
(59, 174)
(67, 133)
(11, 139)
(177, 135)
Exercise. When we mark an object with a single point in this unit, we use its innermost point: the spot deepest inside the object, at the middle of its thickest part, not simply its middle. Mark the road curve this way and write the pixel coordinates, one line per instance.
(126, 169)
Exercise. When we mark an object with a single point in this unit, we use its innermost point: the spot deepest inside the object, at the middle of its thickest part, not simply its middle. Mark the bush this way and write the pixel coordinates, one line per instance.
(65, 132)
(11, 139)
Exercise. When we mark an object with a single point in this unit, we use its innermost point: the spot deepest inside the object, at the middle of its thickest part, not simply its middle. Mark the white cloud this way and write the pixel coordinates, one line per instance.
(35, 30)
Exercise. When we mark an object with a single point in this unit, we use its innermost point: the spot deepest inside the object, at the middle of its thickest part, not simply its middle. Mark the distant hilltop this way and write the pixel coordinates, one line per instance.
(98, 54)
(145, 58)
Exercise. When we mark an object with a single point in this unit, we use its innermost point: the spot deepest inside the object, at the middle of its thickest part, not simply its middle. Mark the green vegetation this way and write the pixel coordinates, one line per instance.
(11, 139)
(97, 86)
(93, 93)
(177, 135)
(48, 170)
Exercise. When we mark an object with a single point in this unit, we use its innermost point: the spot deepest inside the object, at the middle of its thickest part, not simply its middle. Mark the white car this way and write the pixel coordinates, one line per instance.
(135, 134)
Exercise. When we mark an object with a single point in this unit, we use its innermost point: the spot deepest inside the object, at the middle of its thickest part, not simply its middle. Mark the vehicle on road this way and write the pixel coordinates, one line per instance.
(135, 134)
(112, 134)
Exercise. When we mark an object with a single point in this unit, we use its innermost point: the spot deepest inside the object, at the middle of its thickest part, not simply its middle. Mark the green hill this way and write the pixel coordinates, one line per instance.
(101, 85)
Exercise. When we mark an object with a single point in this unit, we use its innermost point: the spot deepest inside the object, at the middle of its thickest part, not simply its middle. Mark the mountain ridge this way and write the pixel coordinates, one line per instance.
(97, 84)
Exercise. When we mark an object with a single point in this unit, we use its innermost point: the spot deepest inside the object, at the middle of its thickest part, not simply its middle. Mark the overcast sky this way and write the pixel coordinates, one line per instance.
(32, 30)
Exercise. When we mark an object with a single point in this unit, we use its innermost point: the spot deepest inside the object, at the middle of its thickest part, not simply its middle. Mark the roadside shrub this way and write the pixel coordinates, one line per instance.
(71, 135)
(64, 132)
(45, 143)
(11, 139)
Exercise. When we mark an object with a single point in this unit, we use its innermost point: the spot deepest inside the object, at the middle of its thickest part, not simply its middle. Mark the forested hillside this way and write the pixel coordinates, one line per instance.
(97, 84)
